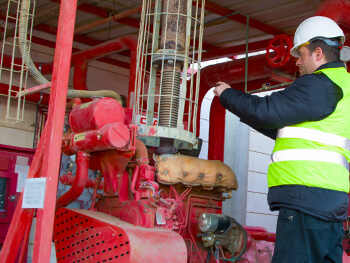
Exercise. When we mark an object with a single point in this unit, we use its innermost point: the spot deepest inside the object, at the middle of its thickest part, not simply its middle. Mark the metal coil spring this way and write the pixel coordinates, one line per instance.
(169, 100)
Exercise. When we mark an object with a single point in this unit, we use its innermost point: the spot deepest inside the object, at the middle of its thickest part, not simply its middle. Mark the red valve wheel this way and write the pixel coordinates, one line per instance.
(278, 51)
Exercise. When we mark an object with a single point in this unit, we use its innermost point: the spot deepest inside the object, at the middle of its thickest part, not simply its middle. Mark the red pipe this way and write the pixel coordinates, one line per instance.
(80, 74)
(216, 131)
(133, 65)
(80, 60)
(79, 184)
(260, 233)
(68, 179)
(135, 175)
(234, 51)
(338, 10)
(105, 49)
(234, 71)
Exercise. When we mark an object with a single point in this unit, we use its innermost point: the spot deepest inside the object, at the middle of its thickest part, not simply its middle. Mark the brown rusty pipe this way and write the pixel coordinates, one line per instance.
(83, 160)
(109, 19)
(141, 153)
(172, 42)
(173, 25)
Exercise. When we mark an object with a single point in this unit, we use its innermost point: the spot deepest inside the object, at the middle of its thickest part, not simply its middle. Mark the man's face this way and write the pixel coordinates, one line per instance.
(306, 61)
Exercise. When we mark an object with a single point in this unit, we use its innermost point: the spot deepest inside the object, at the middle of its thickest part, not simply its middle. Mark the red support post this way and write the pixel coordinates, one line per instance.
(52, 151)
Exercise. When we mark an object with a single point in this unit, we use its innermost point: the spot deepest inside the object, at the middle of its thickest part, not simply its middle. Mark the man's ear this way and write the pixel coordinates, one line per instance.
(319, 54)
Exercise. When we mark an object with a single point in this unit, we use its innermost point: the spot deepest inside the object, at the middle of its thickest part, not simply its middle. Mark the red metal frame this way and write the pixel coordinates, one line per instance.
(54, 126)
(34, 89)
(49, 150)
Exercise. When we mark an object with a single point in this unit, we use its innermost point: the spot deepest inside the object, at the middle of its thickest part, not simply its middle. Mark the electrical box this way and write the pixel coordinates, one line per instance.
(14, 167)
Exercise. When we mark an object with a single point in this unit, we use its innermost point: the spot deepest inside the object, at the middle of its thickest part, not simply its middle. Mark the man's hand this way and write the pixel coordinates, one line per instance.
(220, 87)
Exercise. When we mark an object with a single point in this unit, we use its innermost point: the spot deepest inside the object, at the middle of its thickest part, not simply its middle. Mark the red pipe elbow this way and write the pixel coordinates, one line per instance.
(83, 160)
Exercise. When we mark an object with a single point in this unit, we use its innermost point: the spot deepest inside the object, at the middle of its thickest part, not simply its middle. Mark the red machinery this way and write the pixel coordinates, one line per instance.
(151, 208)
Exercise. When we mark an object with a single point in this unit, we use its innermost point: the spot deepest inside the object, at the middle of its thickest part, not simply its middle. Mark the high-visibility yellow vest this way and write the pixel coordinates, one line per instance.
(316, 153)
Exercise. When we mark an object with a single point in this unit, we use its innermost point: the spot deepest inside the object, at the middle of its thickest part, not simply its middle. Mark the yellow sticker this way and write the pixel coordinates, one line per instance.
(82, 106)
(79, 137)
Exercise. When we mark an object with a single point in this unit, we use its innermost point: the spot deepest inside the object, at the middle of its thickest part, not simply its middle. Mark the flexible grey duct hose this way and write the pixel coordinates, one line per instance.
(89, 94)
(22, 37)
(22, 33)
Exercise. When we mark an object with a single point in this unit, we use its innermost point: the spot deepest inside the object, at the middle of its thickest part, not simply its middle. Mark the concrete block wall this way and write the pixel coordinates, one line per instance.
(258, 212)
(20, 134)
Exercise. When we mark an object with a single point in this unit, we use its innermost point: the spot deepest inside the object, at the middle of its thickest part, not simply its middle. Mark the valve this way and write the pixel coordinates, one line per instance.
(281, 46)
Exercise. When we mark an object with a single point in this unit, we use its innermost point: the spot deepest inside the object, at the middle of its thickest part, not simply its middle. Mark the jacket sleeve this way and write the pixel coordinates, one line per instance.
(271, 133)
(309, 98)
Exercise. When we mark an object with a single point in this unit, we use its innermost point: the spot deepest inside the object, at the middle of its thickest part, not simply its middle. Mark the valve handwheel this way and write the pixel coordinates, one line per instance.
(278, 50)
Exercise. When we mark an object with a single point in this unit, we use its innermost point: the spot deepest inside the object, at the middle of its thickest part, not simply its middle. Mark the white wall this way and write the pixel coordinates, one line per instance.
(204, 123)
(258, 212)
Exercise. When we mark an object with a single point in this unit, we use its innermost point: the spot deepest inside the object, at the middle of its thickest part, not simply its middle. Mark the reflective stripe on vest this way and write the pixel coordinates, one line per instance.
(314, 135)
(309, 155)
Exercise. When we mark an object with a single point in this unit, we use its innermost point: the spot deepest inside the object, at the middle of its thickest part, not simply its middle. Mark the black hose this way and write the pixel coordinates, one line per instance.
(208, 256)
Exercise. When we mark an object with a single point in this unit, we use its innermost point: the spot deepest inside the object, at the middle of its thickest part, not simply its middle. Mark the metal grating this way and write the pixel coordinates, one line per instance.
(17, 36)
(79, 238)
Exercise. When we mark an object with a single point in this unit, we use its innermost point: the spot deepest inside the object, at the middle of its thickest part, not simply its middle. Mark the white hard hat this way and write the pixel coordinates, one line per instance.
(316, 26)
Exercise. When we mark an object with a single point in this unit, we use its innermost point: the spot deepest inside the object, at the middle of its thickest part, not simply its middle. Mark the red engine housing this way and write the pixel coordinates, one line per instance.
(135, 219)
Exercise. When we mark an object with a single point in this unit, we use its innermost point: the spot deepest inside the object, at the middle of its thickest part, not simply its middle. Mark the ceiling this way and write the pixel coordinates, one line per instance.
(223, 31)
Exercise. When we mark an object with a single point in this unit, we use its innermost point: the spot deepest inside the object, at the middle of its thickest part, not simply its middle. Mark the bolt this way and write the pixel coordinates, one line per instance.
(165, 172)
(170, 62)
(145, 210)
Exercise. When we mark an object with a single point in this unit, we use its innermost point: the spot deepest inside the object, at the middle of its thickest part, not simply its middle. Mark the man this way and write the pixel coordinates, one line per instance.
(308, 175)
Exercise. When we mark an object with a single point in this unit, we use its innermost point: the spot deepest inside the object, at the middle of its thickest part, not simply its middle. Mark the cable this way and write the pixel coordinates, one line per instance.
(233, 259)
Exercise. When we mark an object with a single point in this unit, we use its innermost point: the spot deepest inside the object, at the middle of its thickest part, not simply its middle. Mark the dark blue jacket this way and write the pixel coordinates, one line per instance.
(311, 97)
